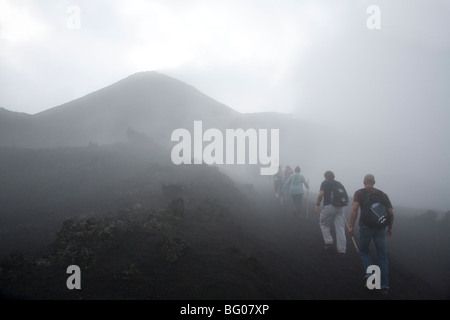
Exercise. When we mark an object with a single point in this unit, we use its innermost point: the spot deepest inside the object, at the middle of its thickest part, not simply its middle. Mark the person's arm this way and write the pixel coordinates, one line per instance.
(391, 222)
(353, 216)
(319, 200)
(305, 183)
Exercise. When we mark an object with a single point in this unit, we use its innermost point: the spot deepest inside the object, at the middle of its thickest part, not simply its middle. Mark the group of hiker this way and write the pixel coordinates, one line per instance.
(375, 222)
(290, 181)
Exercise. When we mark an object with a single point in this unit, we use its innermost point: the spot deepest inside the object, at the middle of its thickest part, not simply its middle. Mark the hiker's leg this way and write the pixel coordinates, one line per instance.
(277, 190)
(299, 203)
(296, 201)
(339, 226)
(365, 236)
(294, 204)
(326, 216)
(379, 240)
(278, 186)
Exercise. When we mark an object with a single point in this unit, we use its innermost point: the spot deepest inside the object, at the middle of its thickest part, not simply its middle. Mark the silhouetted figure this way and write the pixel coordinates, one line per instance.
(288, 172)
(278, 182)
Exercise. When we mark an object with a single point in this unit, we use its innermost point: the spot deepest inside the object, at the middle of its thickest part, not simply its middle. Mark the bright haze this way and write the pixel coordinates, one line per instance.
(317, 60)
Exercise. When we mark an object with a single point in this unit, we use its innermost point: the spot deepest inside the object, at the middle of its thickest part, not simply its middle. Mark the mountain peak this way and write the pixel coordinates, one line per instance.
(150, 76)
(156, 82)
(146, 75)
(148, 102)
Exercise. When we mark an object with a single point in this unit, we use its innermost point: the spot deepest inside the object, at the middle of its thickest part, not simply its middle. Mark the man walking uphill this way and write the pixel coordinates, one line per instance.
(376, 215)
(334, 199)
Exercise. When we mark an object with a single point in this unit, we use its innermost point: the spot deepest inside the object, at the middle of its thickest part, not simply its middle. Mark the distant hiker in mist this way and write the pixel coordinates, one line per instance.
(288, 172)
(278, 182)
(369, 230)
(294, 185)
(331, 213)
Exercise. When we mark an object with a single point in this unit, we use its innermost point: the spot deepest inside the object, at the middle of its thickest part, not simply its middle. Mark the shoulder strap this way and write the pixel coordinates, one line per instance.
(369, 192)
(365, 196)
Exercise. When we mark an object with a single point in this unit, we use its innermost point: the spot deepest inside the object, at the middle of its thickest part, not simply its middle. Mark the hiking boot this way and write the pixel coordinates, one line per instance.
(384, 291)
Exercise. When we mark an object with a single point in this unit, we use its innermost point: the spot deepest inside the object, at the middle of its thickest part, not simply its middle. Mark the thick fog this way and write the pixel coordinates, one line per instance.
(373, 79)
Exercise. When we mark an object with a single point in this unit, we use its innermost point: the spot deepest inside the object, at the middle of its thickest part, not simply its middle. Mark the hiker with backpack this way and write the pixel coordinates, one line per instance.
(375, 223)
(335, 198)
(295, 184)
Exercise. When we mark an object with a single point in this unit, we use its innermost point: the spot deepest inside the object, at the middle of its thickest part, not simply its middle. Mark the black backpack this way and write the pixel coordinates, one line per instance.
(374, 211)
(338, 195)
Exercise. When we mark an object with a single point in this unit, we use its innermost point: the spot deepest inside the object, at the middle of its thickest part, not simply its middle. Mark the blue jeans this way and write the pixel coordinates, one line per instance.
(366, 235)
(297, 199)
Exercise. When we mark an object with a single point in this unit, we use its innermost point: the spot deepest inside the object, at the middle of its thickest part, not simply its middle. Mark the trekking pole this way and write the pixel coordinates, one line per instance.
(307, 202)
(354, 242)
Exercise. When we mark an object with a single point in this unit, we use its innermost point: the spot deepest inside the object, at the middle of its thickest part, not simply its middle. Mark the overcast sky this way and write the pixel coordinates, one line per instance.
(315, 59)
